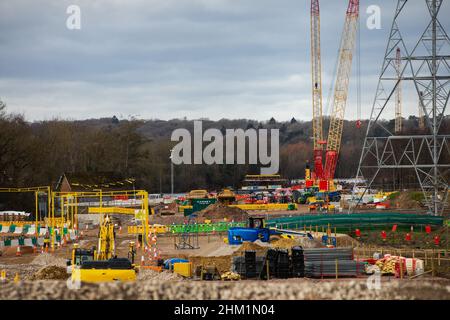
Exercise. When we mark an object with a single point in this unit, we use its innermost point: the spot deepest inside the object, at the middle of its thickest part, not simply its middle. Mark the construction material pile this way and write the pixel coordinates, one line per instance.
(304, 242)
(220, 290)
(217, 212)
(252, 246)
(147, 274)
(343, 268)
(397, 266)
(230, 276)
(328, 254)
(46, 259)
(329, 262)
(222, 263)
(51, 273)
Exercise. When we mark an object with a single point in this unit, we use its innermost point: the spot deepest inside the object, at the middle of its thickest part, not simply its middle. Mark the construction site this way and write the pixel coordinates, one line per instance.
(92, 237)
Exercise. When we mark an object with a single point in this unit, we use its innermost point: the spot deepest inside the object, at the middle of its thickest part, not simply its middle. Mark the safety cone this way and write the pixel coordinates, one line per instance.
(35, 249)
(42, 249)
(120, 229)
(18, 253)
(142, 260)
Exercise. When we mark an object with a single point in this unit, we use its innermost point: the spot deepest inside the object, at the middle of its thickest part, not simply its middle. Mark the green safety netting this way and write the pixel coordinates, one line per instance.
(203, 227)
(12, 228)
(364, 219)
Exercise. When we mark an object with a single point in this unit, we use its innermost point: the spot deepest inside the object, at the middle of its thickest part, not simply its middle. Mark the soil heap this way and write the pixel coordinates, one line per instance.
(217, 212)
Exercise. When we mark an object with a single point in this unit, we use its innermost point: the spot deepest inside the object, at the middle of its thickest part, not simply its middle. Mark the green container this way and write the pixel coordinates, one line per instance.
(188, 212)
(200, 204)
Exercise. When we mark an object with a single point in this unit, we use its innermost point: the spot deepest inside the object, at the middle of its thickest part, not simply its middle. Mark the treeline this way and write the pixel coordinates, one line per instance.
(37, 153)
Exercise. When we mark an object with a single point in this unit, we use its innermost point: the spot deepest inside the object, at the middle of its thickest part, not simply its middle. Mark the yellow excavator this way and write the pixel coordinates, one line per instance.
(101, 264)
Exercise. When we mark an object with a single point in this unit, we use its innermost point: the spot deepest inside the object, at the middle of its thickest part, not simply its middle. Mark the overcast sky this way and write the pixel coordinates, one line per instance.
(169, 59)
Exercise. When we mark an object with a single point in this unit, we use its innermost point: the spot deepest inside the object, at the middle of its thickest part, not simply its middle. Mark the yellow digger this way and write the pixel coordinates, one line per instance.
(101, 264)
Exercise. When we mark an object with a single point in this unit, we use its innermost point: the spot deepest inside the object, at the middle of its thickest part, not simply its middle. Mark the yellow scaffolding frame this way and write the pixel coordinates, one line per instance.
(36, 190)
(69, 200)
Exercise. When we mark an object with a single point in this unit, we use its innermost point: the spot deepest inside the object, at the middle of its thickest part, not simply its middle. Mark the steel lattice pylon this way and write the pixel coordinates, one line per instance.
(428, 68)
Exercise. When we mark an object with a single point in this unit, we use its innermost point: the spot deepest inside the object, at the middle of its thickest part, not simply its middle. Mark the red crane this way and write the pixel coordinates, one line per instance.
(345, 59)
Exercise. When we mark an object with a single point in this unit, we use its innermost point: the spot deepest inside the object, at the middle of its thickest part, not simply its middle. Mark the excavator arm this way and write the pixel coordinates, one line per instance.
(106, 239)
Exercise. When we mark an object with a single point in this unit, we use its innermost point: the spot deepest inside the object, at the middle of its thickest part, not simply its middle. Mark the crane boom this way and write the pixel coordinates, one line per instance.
(316, 74)
(341, 88)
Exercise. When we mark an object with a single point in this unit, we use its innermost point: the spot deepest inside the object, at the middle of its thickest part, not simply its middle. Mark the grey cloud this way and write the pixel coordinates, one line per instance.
(176, 58)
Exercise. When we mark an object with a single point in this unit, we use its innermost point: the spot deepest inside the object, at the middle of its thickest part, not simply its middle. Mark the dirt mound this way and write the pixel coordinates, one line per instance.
(46, 259)
(167, 220)
(345, 240)
(284, 243)
(222, 263)
(251, 246)
(217, 212)
(146, 274)
(51, 273)
(406, 200)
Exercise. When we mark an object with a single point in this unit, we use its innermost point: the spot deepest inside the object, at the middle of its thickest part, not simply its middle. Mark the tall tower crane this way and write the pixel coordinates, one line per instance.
(341, 88)
(398, 92)
(316, 74)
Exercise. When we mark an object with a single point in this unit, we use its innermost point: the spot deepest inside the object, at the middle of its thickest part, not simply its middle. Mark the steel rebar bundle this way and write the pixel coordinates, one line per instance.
(328, 254)
(331, 268)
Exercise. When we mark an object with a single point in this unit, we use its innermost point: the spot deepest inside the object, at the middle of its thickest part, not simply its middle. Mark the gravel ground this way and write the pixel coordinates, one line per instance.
(253, 290)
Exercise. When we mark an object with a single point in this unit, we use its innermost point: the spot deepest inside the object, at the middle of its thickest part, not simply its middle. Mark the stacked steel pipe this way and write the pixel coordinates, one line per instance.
(327, 262)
